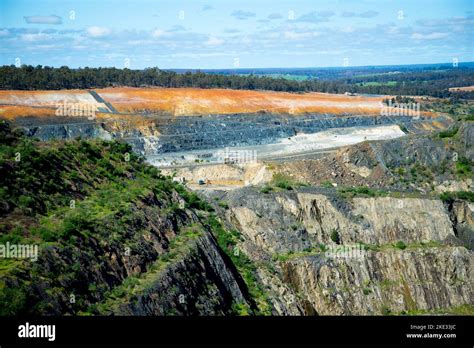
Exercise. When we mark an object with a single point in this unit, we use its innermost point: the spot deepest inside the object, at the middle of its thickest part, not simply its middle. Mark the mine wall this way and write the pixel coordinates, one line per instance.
(206, 132)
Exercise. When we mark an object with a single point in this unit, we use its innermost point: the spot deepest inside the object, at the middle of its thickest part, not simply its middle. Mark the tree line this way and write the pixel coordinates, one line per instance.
(429, 83)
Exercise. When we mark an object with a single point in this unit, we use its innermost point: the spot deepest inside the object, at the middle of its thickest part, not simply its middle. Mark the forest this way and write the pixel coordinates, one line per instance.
(423, 82)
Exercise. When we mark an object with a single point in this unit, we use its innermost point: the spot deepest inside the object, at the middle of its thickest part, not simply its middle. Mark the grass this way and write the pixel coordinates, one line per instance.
(462, 195)
(282, 182)
(400, 245)
(360, 191)
(374, 83)
(285, 182)
(463, 166)
(366, 291)
(294, 255)
(449, 133)
(465, 309)
(320, 249)
(326, 184)
(223, 205)
(227, 241)
(241, 309)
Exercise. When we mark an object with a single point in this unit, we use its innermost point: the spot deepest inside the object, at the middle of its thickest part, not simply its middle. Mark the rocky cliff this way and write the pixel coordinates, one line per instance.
(326, 254)
(153, 135)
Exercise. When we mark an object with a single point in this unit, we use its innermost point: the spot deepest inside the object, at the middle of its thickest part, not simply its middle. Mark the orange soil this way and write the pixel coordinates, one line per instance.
(190, 101)
(195, 101)
(11, 112)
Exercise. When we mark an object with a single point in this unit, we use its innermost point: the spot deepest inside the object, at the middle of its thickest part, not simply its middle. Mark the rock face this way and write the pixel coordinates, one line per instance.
(413, 259)
(266, 219)
(462, 216)
(202, 282)
(384, 282)
(160, 260)
(153, 136)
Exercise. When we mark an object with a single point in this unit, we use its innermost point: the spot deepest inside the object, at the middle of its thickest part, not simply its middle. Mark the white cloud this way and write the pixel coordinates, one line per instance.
(35, 37)
(368, 14)
(158, 33)
(246, 40)
(43, 19)
(348, 29)
(393, 30)
(275, 16)
(4, 32)
(97, 31)
(431, 36)
(316, 16)
(214, 41)
(231, 31)
(243, 14)
(292, 35)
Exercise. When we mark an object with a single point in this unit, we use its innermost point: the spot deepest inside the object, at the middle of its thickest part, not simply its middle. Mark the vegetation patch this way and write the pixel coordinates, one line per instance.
(285, 182)
(449, 197)
(227, 241)
(360, 191)
(449, 133)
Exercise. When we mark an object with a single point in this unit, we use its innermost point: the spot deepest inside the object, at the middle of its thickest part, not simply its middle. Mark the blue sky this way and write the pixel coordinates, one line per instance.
(227, 34)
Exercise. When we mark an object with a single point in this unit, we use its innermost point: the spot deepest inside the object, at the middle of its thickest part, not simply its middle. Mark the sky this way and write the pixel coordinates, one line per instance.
(228, 34)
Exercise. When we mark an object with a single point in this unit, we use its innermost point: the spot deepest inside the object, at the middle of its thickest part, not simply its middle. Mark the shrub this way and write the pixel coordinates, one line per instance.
(449, 133)
(335, 236)
(241, 309)
(362, 190)
(403, 128)
(223, 205)
(25, 202)
(326, 184)
(466, 195)
(323, 247)
(400, 245)
(266, 189)
(193, 201)
(449, 197)
(463, 166)
(282, 182)
(386, 310)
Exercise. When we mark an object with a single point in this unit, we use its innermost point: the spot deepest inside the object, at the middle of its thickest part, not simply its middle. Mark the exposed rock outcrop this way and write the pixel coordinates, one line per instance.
(413, 259)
